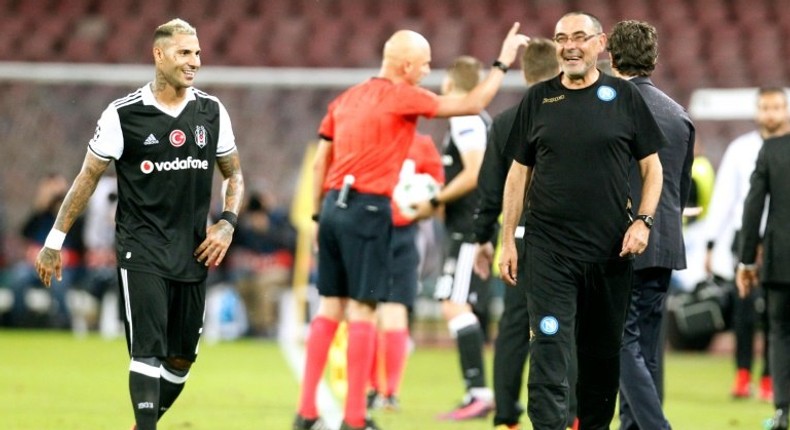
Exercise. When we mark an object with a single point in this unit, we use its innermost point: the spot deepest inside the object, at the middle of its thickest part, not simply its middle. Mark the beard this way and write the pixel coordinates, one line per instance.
(772, 127)
(577, 71)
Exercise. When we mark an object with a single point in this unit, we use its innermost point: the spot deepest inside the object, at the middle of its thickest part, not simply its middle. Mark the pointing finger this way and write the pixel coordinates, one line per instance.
(514, 29)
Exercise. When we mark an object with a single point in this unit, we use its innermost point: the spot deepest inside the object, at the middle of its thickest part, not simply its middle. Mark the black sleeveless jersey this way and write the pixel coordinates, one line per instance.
(165, 161)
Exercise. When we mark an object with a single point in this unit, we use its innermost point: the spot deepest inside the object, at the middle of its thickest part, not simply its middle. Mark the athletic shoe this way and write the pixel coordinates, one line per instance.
(508, 427)
(766, 389)
(369, 425)
(372, 399)
(302, 423)
(388, 403)
(742, 387)
(473, 409)
(777, 422)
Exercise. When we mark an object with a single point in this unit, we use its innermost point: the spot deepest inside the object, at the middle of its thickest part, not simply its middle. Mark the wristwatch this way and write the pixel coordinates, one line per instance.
(647, 219)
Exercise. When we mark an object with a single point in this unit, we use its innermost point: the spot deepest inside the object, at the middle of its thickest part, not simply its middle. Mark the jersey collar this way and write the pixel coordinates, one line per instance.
(149, 99)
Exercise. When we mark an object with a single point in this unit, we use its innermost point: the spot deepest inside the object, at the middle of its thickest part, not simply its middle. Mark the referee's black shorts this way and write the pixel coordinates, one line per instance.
(405, 263)
(354, 247)
(162, 318)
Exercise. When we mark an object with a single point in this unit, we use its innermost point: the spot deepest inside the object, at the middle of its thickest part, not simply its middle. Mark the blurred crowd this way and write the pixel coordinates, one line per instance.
(245, 288)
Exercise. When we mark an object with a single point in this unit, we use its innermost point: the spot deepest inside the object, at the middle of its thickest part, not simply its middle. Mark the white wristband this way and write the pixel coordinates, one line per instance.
(55, 239)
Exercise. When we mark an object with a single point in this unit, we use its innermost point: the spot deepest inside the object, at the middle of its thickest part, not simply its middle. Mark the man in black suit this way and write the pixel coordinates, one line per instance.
(633, 48)
(769, 179)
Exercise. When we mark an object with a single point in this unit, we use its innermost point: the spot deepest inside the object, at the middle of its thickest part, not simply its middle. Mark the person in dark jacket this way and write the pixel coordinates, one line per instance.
(633, 48)
(769, 179)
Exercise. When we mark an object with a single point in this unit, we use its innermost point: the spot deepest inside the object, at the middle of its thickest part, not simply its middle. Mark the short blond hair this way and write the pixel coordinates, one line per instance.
(173, 27)
(465, 72)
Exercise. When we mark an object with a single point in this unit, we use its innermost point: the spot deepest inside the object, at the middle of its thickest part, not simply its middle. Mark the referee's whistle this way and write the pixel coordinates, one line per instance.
(342, 197)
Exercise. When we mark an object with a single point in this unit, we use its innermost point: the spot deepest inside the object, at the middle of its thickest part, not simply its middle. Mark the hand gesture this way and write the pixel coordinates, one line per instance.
(746, 278)
(635, 240)
(508, 262)
(423, 210)
(510, 46)
(214, 247)
(484, 257)
(48, 262)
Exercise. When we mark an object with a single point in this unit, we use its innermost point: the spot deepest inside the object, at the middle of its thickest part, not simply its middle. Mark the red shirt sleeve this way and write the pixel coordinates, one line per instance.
(427, 158)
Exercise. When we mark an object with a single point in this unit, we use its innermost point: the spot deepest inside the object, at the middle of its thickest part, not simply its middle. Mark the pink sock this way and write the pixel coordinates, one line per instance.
(378, 348)
(397, 349)
(322, 332)
(361, 341)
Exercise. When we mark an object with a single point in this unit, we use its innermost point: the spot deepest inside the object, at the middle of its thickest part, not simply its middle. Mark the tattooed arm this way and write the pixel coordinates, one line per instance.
(219, 235)
(48, 260)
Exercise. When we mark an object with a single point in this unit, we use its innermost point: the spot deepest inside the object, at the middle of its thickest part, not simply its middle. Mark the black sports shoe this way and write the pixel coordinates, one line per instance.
(778, 422)
(302, 423)
(390, 403)
(372, 399)
(369, 425)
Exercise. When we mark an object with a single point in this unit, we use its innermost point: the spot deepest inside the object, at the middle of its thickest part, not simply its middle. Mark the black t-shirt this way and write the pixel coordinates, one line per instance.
(165, 163)
(580, 144)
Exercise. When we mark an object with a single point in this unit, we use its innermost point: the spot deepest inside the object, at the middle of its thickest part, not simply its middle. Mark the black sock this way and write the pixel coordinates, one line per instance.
(470, 348)
(144, 391)
(170, 386)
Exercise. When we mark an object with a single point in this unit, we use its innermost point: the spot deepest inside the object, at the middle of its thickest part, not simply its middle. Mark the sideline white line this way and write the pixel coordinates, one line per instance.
(290, 340)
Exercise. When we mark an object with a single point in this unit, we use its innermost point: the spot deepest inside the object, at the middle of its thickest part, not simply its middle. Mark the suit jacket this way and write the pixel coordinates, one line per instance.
(769, 179)
(665, 247)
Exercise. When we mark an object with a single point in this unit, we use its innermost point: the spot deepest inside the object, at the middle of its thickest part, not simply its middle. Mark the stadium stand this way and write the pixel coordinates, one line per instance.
(349, 33)
(704, 43)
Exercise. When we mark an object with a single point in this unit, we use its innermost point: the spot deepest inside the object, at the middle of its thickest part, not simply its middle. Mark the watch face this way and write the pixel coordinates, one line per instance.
(647, 219)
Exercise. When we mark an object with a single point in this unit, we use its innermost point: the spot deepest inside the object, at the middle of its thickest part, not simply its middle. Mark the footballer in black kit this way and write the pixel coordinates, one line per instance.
(165, 164)
(464, 294)
(459, 213)
(165, 140)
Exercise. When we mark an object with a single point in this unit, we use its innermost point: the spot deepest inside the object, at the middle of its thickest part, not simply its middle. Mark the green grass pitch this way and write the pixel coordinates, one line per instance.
(53, 381)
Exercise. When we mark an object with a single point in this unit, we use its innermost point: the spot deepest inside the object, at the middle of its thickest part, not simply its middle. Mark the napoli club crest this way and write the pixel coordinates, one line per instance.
(606, 93)
(200, 136)
(549, 325)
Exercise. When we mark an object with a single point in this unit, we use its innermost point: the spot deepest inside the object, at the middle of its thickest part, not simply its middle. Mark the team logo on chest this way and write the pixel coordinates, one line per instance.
(177, 138)
(200, 136)
(606, 93)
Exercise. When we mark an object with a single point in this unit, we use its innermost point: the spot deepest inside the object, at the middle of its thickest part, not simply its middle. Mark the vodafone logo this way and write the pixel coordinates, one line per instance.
(177, 138)
(188, 163)
(147, 167)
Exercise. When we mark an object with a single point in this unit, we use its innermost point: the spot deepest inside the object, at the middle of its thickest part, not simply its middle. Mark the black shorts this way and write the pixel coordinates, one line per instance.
(163, 318)
(354, 247)
(458, 282)
(405, 263)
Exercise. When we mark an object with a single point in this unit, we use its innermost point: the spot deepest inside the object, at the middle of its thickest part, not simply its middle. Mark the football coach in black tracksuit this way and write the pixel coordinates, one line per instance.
(573, 142)
(633, 48)
(511, 347)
